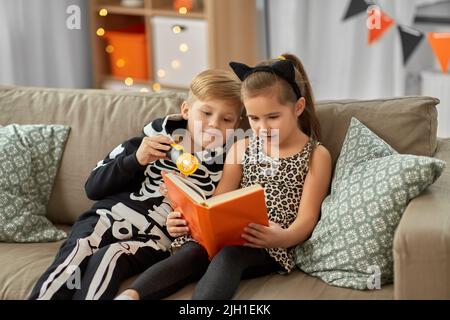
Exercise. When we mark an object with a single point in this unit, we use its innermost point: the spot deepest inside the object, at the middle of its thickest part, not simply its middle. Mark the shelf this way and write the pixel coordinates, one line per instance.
(118, 9)
(173, 13)
(218, 20)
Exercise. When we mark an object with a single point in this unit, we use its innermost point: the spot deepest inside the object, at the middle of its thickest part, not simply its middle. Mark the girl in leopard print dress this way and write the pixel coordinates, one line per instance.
(284, 156)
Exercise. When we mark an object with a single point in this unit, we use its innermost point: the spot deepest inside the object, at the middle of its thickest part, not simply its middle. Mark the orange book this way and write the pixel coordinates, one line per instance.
(220, 220)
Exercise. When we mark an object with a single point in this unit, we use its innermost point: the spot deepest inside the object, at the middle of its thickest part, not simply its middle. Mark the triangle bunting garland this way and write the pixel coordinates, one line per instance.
(440, 43)
(411, 38)
(356, 7)
(377, 31)
(378, 22)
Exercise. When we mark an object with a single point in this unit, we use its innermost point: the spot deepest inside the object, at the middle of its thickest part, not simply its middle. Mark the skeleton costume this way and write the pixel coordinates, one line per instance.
(125, 231)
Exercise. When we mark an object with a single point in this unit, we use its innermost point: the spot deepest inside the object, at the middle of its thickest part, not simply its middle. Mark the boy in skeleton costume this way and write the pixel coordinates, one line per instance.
(124, 232)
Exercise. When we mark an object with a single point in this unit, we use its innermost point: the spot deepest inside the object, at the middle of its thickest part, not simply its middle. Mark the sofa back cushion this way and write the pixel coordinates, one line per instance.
(408, 124)
(102, 119)
(99, 121)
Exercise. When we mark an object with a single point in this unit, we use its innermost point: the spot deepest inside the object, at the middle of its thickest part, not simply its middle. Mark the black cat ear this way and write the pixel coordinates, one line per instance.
(286, 68)
(240, 69)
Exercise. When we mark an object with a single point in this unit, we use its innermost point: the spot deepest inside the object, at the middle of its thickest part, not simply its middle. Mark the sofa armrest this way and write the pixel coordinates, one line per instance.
(422, 240)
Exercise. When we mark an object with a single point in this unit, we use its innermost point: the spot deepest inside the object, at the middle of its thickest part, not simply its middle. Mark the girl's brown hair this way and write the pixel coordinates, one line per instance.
(256, 83)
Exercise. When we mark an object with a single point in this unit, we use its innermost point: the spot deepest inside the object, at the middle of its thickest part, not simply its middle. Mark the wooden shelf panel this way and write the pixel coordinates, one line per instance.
(173, 13)
(118, 9)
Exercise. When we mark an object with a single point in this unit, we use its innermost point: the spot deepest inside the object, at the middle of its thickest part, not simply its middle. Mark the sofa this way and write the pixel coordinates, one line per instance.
(101, 119)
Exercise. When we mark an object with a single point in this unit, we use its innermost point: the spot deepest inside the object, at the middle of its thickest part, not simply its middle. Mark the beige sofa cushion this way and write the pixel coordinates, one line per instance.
(295, 286)
(21, 266)
(408, 124)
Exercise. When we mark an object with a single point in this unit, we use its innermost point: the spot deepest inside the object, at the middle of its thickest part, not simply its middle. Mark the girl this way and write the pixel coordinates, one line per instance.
(285, 157)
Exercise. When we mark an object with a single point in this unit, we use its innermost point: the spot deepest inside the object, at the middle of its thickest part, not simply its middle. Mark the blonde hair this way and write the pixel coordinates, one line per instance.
(215, 84)
(258, 82)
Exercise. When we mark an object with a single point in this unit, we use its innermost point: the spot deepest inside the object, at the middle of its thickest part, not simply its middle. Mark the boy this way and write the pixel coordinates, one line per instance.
(124, 232)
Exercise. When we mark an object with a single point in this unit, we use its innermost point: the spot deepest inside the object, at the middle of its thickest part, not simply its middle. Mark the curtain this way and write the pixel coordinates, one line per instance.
(38, 49)
(335, 53)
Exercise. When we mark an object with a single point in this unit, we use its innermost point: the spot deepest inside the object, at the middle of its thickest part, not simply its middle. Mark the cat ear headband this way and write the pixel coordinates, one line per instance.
(283, 68)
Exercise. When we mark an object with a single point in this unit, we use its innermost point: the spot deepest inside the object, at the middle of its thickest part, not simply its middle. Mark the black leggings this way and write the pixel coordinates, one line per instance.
(219, 279)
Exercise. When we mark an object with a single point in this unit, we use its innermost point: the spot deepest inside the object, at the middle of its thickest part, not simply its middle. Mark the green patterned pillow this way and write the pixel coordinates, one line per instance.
(29, 159)
(351, 245)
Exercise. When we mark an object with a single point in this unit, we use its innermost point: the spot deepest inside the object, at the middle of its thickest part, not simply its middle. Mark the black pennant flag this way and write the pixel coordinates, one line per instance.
(410, 40)
(357, 6)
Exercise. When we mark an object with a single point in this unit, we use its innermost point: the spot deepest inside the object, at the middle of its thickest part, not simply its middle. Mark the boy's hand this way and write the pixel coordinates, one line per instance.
(176, 225)
(152, 149)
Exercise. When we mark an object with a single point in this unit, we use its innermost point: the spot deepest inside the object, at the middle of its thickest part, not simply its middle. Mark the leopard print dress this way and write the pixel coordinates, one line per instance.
(282, 180)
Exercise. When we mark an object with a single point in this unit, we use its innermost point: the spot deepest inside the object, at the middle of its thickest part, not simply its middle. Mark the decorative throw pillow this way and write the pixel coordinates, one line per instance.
(29, 159)
(372, 185)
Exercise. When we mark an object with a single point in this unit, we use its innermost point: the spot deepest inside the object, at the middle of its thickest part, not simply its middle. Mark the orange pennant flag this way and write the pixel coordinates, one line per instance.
(378, 23)
(440, 43)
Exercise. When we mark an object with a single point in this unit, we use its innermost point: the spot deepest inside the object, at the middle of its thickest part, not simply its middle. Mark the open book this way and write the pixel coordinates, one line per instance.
(218, 221)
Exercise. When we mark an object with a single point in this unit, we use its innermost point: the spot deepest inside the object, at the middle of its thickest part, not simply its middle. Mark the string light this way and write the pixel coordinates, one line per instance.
(156, 87)
(182, 10)
(109, 49)
(103, 12)
(143, 90)
(129, 81)
(175, 64)
(100, 32)
(120, 63)
(161, 73)
(176, 29)
(183, 47)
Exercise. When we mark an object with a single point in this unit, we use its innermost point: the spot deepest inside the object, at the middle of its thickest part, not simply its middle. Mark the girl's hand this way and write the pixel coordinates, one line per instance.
(176, 225)
(259, 236)
(153, 148)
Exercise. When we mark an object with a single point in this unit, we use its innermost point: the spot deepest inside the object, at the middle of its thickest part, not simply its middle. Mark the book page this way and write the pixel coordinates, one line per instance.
(190, 188)
(231, 195)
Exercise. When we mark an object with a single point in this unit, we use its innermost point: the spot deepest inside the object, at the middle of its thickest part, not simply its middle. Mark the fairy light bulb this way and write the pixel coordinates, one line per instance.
(103, 12)
(156, 87)
(109, 49)
(182, 10)
(183, 47)
(129, 81)
(175, 64)
(120, 63)
(100, 32)
(161, 73)
(176, 29)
